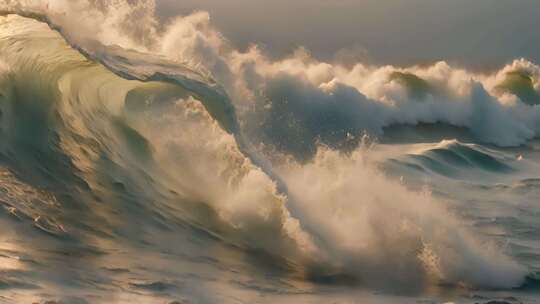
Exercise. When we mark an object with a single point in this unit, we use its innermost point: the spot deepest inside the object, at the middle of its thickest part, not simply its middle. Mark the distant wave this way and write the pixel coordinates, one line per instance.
(452, 158)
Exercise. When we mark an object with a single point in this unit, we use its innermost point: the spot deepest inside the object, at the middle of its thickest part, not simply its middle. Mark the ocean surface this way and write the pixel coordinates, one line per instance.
(128, 175)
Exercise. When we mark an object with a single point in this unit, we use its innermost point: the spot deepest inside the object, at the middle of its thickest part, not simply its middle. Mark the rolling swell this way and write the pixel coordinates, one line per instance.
(456, 154)
(452, 158)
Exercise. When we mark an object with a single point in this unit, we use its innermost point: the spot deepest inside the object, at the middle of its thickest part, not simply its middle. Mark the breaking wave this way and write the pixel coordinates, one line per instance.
(125, 136)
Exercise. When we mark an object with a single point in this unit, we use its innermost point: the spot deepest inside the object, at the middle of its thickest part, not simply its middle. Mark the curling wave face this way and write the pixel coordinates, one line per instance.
(124, 147)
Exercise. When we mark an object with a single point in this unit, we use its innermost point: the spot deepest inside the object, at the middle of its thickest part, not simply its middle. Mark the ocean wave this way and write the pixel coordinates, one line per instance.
(497, 108)
(452, 158)
(129, 140)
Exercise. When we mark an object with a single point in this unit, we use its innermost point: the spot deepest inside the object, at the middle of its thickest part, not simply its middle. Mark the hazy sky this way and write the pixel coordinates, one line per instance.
(478, 33)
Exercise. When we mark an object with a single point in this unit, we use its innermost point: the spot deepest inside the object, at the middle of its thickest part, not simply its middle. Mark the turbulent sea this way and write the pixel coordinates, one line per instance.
(154, 163)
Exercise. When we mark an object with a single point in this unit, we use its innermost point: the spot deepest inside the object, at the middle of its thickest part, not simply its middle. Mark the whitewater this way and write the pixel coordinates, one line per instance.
(151, 162)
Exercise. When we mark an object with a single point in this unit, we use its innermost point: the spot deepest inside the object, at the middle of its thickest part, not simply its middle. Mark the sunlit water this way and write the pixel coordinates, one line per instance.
(128, 178)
